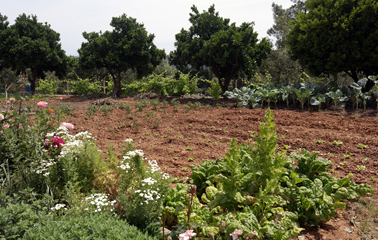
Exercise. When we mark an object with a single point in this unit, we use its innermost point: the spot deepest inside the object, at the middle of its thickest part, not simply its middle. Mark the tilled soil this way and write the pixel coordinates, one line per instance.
(183, 138)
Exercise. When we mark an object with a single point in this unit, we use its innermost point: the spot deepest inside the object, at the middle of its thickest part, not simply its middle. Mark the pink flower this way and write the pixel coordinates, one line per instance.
(68, 125)
(60, 98)
(6, 126)
(1, 116)
(186, 235)
(236, 233)
(42, 104)
(50, 111)
(57, 142)
(12, 99)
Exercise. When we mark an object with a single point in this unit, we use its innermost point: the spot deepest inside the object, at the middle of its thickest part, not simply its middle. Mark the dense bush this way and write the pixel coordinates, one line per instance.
(86, 226)
(85, 87)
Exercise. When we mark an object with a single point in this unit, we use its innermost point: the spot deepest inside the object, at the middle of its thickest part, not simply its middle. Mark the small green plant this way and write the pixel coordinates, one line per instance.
(126, 107)
(212, 127)
(225, 128)
(175, 158)
(165, 103)
(208, 106)
(147, 134)
(319, 141)
(361, 167)
(166, 167)
(188, 148)
(207, 140)
(250, 140)
(343, 163)
(189, 138)
(333, 171)
(191, 159)
(337, 143)
(348, 155)
(372, 179)
(184, 169)
(171, 129)
(66, 109)
(330, 154)
(350, 175)
(156, 135)
(299, 140)
(365, 159)
(217, 143)
(283, 137)
(361, 146)
(106, 109)
(154, 103)
(199, 125)
(155, 123)
(91, 110)
(286, 147)
(149, 114)
(180, 137)
(190, 125)
(135, 125)
(165, 136)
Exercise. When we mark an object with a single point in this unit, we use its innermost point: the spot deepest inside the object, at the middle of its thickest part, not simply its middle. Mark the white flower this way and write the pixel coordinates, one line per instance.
(58, 206)
(128, 140)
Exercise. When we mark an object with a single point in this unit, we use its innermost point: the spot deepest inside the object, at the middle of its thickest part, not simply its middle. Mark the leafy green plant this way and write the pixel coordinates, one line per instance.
(66, 109)
(85, 87)
(361, 167)
(106, 109)
(337, 143)
(92, 109)
(191, 159)
(319, 141)
(348, 155)
(184, 169)
(286, 147)
(343, 163)
(188, 148)
(135, 125)
(154, 103)
(180, 137)
(207, 140)
(361, 146)
(175, 158)
(126, 107)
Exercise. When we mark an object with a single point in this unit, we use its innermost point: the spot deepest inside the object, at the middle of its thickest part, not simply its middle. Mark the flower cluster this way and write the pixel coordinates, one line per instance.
(149, 181)
(59, 206)
(128, 140)
(56, 142)
(42, 104)
(236, 234)
(43, 167)
(100, 201)
(1, 116)
(67, 125)
(148, 195)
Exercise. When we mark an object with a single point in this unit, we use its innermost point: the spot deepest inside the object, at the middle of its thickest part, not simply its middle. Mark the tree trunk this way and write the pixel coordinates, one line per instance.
(32, 81)
(117, 85)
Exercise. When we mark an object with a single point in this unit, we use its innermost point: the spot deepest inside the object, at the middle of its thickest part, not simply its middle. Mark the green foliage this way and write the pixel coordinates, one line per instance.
(85, 87)
(261, 191)
(225, 48)
(32, 44)
(127, 46)
(91, 226)
(92, 109)
(48, 86)
(106, 109)
(126, 107)
(338, 36)
(142, 189)
(66, 109)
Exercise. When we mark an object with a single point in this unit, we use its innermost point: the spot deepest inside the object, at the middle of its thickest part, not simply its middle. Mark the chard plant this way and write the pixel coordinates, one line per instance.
(357, 87)
(318, 100)
(337, 97)
(303, 93)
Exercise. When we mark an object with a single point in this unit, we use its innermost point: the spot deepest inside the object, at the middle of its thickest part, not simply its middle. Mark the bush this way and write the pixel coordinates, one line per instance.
(85, 87)
(88, 226)
(48, 86)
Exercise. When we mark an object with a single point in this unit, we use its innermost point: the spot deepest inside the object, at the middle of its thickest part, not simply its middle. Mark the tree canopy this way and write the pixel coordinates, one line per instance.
(127, 46)
(337, 36)
(225, 48)
(31, 44)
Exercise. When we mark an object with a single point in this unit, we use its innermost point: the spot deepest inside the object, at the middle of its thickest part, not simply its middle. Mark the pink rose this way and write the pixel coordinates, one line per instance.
(1, 116)
(187, 235)
(42, 104)
(50, 111)
(57, 142)
(12, 99)
(68, 125)
(60, 98)
(6, 126)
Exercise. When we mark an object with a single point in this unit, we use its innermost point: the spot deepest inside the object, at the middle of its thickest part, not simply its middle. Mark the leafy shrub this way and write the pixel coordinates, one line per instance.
(85, 87)
(92, 109)
(126, 107)
(48, 86)
(106, 109)
(89, 226)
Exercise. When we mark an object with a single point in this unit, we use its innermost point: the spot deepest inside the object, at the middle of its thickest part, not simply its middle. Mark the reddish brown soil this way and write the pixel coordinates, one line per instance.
(207, 132)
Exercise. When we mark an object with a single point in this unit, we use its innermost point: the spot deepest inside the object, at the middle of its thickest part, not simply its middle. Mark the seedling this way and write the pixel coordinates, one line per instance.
(319, 141)
(156, 135)
(361, 146)
(180, 137)
(175, 158)
(350, 175)
(170, 129)
(202, 133)
(207, 140)
(153, 145)
(343, 163)
(225, 128)
(199, 125)
(283, 136)
(286, 147)
(333, 171)
(190, 125)
(250, 140)
(365, 159)
(372, 179)
(212, 127)
(184, 169)
(299, 140)
(165, 136)
(191, 159)
(361, 167)
(330, 154)
(337, 143)
(253, 133)
(148, 134)
(189, 138)
(217, 143)
(188, 148)
(166, 167)
(348, 155)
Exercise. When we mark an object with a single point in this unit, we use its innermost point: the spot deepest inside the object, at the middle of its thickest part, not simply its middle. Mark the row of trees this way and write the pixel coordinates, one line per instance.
(322, 37)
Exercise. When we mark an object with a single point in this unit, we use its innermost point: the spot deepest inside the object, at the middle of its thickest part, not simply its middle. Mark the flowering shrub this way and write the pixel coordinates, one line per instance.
(42, 104)
(143, 187)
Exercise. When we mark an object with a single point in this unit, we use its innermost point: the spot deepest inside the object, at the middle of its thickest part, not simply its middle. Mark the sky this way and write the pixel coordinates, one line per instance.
(163, 18)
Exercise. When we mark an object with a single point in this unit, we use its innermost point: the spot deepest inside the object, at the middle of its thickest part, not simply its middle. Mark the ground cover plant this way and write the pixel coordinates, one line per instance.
(196, 127)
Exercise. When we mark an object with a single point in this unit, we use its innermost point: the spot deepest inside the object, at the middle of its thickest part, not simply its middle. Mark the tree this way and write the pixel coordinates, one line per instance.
(281, 24)
(128, 46)
(337, 36)
(30, 44)
(213, 42)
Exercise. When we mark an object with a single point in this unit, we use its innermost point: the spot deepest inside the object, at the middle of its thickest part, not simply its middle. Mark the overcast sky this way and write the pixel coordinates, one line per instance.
(164, 18)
